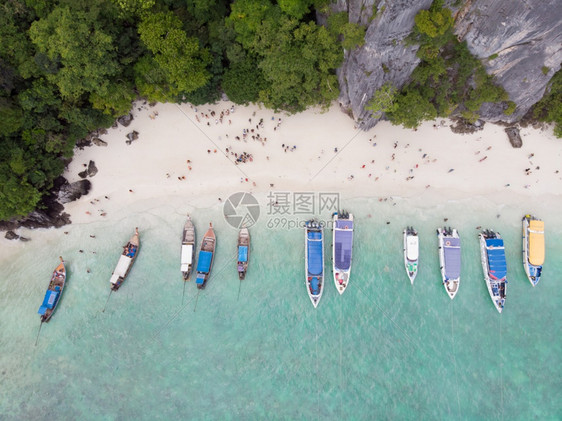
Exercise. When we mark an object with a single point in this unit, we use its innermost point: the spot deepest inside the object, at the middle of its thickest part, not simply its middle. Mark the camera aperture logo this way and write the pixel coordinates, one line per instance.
(241, 210)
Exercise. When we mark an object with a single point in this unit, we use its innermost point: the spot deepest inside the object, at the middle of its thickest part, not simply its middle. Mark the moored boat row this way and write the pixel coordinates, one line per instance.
(492, 249)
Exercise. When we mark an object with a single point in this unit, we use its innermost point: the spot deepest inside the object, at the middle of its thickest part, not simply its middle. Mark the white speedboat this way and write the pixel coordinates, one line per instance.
(342, 246)
(450, 259)
(492, 252)
(314, 260)
(533, 248)
(411, 252)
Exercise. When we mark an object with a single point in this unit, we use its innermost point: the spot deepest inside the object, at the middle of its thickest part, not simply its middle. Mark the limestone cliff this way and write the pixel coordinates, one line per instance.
(518, 41)
(384, 57)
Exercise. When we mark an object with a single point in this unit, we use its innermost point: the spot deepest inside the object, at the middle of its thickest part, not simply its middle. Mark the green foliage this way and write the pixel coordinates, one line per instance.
(117, 101)
(18, 197)
(11, 117)
(180, 57)
(83, 52)
(243, 81)
(352, 34)
(549, 108)
(295, 8)
(511, 106)
(383, 100)
(545, 70)
(493, 56)
(298, 62)
(434, 22)
(411, 108)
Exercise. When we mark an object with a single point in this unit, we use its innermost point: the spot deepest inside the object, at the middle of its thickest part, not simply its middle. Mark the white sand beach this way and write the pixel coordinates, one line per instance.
(186, 152)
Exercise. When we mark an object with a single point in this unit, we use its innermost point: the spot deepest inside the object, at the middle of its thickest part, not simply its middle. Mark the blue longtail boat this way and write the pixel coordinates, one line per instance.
(54, 292)
(206, 257)
(314, 260)
(243, 252)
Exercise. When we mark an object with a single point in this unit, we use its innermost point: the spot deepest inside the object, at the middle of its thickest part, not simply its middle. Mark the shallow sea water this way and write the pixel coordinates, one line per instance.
(384, 349)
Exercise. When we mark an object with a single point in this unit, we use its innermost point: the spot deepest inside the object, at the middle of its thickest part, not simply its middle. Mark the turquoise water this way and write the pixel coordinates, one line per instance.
(384, 349)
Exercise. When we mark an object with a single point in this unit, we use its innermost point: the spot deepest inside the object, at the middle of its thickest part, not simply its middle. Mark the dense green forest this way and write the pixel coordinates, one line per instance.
(68, 67)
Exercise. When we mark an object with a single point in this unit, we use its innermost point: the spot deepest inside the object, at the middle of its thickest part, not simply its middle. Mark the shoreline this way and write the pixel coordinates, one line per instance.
(180, 153)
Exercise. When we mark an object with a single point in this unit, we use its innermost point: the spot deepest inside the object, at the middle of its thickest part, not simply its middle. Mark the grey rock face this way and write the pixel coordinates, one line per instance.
(525, 36)
(518, 41)
(383, 58)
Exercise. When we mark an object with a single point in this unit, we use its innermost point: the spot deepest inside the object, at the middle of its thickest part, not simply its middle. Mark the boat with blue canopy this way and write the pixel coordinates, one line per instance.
(494, 265)
(314, 260)
(126, 260)
(342, 248)
(54, 292)
(206, 257)
(187, 248)
(243, 252)
(450, 259)
(533, 247)
(411, 252)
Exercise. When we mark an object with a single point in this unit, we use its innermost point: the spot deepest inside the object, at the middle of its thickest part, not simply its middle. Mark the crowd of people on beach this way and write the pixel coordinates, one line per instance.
(403, 162)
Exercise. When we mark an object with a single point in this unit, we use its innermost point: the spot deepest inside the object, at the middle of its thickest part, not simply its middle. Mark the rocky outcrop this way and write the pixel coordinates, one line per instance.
(90, 171)
(50, 211)
(72, 191)
(134, 135)
(383, 58)
(519, 42)
(125, 120)
(98, 142)
(11, 235)
(514, 136)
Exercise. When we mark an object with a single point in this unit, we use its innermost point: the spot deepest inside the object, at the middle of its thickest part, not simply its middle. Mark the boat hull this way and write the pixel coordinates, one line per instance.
(126, 261)
(314, 264)
(208, 245)
(187, 256)
(450, 283)
(411, 248)
(342, 274)
(58, 279)
(497, 300)
(243, 253)
(533, 272)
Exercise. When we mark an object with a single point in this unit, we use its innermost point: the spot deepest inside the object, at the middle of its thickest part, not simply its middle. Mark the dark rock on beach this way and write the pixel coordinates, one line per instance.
(72, 191)
(92, 169)
(11, 235)
(125, 120)
(514, 136)
(83, 143)
(98, 142)
(134, 135)
(462, 126)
